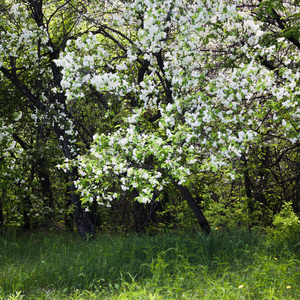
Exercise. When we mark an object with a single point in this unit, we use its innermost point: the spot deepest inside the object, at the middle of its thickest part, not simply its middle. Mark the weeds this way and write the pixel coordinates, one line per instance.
(225, 265)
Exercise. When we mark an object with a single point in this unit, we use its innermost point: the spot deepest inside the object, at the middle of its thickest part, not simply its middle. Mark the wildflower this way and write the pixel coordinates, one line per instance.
(241, 286)
(276, 258)
(288, 287)
(216, 228)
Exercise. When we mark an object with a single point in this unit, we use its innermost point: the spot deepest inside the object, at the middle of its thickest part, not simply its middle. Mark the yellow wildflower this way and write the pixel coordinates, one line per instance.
(241, 286)
(288, 287)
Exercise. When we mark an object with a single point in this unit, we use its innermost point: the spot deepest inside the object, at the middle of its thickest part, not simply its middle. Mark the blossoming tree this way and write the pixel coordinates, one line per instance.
(32, 34)
(194, 86)
(199, 82)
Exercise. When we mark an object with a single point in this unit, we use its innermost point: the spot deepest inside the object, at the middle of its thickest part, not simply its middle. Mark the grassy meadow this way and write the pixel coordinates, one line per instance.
(232, 264)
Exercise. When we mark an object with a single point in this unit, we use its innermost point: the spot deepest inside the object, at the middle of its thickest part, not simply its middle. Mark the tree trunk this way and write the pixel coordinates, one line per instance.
(27, 205)
(247, 183)
(138, 213)
(47, 193)
(84, 220)
(26, 213)
(1, 215)
(186, 195)
(152, 216)
(68, 218)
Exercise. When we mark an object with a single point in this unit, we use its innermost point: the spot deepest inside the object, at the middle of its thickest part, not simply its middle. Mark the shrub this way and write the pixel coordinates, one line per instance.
(286, 225)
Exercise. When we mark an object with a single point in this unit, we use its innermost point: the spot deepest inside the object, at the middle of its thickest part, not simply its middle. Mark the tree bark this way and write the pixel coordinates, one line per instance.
(186, 195)
(68, 218)
(138, 213)
(247, 183)
(47, 193)
(1, 215)
(84, 219)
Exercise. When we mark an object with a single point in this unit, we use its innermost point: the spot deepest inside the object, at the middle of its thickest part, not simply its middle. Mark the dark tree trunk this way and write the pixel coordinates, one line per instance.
(296, 205)
(247, 183)
(27, 205)
(138, 213)
(84, 220)
(47, 193)
(125, 215)
(26, 213)
(1, 215)
(186, 195)
(69, 218)
(152, 216)
(1, 207)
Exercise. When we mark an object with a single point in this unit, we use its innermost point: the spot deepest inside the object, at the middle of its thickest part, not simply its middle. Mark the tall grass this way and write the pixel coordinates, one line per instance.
(225, 265)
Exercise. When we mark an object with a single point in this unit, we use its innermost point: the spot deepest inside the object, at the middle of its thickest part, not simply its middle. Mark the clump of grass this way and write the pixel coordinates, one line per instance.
(225, 265)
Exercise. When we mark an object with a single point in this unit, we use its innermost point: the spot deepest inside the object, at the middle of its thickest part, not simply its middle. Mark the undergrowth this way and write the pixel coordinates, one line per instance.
(225, 265)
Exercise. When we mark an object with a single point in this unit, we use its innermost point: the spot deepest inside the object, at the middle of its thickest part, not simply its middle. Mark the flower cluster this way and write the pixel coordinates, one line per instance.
(207, 113)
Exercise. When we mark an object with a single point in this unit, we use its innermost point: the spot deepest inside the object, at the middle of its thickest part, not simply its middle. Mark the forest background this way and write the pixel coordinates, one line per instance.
(121, 116)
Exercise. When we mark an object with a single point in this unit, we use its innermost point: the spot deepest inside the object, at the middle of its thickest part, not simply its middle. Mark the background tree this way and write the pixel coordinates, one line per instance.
(196, 100)
(33, 33)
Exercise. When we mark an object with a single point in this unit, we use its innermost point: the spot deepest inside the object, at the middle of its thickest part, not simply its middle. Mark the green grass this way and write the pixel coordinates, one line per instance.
(225, 265)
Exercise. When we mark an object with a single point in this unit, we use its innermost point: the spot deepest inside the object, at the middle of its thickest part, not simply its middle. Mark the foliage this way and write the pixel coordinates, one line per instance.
(148, 101)
(184, 126)
(286, 225)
